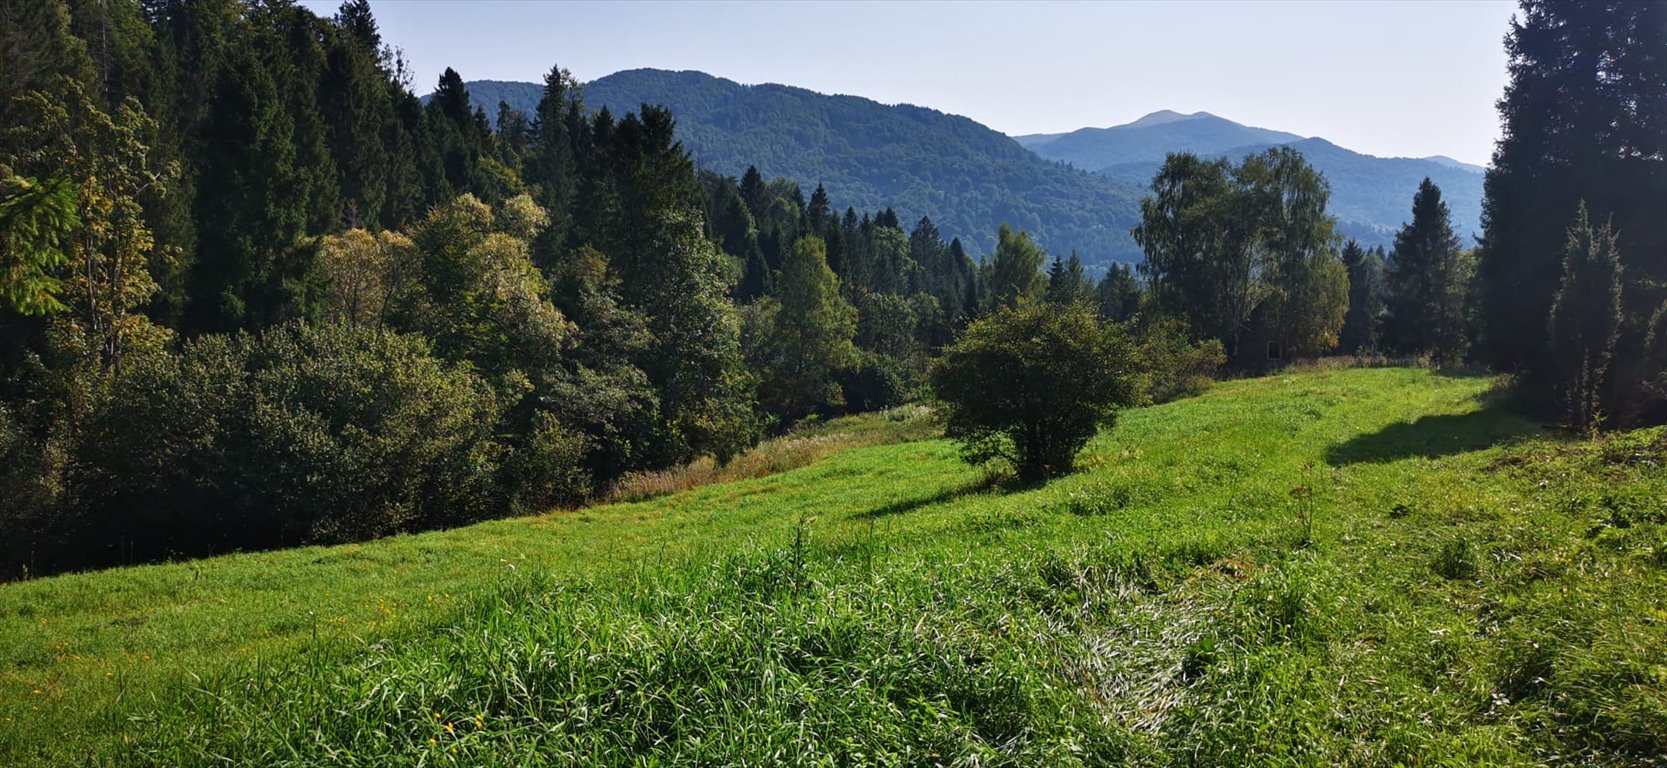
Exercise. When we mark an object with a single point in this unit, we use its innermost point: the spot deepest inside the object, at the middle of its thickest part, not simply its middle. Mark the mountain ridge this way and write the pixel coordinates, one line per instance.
(1077, 190)
(919, 161)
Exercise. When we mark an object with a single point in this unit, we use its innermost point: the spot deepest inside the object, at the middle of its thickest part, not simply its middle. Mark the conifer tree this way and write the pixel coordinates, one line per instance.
(1582, 120)
(1066, 282)
(1119, 293)
(358, 118)
(37, 218)
(1585, 321)
(1360, 325)
(453, 136)
(755, 192)
(1425, 283)
(819, 215)
(250, 208)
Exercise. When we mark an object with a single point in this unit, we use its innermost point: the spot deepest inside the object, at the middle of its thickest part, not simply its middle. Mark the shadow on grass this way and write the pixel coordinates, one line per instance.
(1433, 437)
(982, 485)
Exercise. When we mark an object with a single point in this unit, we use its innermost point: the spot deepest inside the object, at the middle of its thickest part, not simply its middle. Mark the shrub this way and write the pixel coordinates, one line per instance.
(301, 435)
(1172, 365)
(1031, 384)
(546, 468)
(877, 382)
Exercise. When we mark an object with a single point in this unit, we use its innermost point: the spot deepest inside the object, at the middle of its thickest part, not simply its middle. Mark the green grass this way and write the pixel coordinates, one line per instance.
(1362, 567)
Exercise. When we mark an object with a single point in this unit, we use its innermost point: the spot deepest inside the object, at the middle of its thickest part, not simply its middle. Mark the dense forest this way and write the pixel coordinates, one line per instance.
(256, 293)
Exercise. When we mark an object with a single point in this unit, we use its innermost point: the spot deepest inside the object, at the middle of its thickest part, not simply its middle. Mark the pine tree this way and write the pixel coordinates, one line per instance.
(1425, 283)
(1585, 321)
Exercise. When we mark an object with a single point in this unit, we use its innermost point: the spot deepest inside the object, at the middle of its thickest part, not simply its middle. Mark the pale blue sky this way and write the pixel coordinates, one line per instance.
(1406, 78)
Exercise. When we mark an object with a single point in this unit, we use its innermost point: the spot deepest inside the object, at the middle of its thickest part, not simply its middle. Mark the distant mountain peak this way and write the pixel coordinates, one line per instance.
(1451, 163)
(1166, 116)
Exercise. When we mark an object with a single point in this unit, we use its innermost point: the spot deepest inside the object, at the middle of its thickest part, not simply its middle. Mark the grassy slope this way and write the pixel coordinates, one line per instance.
(1473, 591)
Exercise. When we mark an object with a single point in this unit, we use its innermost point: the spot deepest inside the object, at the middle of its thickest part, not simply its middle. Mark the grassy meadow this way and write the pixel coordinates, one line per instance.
(1344, 567)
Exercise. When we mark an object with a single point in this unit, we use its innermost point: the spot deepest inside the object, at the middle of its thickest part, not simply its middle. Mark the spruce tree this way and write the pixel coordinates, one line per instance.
(1582, 120)
(1360, 325)
(819, 215)
(1066, 282)
(1424, 283)
(755, 192)
(453, 135)
(250, 210)
(358, 117)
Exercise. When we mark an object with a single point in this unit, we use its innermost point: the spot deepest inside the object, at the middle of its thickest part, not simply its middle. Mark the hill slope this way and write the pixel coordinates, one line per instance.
(968, 178)
(1150, 138)
(1454, 586)
(1371, 196)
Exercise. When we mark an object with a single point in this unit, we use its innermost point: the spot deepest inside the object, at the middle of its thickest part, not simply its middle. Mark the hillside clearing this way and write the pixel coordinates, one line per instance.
(1346, 567)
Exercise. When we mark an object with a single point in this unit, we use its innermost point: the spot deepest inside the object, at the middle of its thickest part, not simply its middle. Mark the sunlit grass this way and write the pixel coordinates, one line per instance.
(1465, 589)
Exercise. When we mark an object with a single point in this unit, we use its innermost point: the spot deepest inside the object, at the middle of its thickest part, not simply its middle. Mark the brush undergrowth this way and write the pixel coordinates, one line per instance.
(1450, 587)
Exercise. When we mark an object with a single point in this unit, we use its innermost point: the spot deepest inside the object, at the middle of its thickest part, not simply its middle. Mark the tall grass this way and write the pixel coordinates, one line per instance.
(1453, 588)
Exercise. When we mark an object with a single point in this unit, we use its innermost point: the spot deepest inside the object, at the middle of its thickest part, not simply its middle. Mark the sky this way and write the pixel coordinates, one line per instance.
(1407, 78)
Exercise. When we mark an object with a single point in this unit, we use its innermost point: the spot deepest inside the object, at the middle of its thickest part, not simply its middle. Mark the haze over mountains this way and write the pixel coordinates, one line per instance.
(1368, 194)
(1073, 191)
(1150, 138)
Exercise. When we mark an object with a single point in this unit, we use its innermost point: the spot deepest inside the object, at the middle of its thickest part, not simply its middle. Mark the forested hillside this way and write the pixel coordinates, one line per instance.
(255, 293)
(798, 481)
(918, 161)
